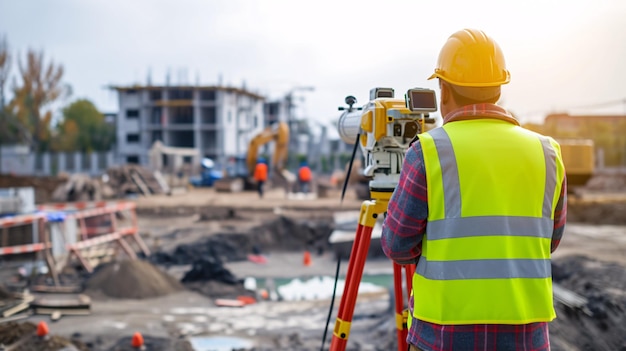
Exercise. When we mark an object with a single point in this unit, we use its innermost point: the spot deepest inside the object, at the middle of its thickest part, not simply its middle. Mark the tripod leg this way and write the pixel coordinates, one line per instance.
(358, 256)
(401, 327)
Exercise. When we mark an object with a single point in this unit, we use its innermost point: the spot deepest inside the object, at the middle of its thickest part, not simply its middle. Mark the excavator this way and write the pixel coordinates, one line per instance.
(238, 174)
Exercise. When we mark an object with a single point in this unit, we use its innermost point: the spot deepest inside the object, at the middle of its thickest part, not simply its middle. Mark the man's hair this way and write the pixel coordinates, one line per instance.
(474, 95)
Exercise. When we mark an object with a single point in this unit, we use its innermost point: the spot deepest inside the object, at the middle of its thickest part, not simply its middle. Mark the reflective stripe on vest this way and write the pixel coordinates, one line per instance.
(486, 252)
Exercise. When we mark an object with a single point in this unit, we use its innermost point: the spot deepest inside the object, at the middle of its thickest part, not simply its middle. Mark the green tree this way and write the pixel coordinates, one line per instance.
(83, 128)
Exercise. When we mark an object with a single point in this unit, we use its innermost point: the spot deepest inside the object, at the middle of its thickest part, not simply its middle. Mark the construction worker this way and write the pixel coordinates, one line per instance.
(479, 207)
(260, 175)
(304, 177)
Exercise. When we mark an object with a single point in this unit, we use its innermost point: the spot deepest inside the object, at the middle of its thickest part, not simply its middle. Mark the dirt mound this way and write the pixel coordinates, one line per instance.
(132, 279)
(12, 333)
(597, 211)
(286, 234)
(601, 323)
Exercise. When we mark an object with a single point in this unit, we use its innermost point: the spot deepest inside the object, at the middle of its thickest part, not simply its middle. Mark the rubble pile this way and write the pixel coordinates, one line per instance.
(82, 187)
(118, 182)
(5, 294)
(22, 336)
(209, 268)
(221, 247)
(135, 179)
(131, 279)
(208, 275)
(601, 323)
(280, 235)
(288, 234)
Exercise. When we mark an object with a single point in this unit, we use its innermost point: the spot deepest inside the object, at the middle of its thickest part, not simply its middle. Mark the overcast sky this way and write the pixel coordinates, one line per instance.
(563, 55)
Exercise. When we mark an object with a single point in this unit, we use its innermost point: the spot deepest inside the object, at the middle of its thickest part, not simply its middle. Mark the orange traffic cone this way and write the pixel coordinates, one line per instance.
(137, 341)
(42, 329)
(307, 258)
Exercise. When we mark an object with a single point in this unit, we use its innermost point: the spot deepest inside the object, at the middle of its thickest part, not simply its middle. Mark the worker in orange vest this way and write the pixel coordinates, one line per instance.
(304, 177)
(260, 175)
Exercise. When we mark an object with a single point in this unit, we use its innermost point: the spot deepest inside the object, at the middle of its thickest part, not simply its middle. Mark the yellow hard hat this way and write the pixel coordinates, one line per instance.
(470, 58)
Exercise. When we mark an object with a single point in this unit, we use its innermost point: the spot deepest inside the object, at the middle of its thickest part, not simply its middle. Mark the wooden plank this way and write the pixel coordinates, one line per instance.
(16, 317)
(65, 312)
(19, 307)
(140, 183)
(56, 289)
(570, 299)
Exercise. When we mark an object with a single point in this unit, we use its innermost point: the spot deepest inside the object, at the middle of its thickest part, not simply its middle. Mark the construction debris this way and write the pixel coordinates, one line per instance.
(60, 305)
(81, 187)
(135, 179)
(594, 315)
(23, 337)
(118, 182)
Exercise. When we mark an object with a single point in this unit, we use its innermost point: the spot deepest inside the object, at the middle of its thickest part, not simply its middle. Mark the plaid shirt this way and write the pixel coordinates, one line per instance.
(403, 230)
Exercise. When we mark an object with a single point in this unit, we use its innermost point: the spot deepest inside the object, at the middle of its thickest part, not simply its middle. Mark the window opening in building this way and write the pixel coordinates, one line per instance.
(182, 139)
(134, 159)
(181, 94)
(207, 95)
(132, 138)
(156, 95)
(132, 113)
(157, 116)
(181, 115)
(157, 135)
(209, 115)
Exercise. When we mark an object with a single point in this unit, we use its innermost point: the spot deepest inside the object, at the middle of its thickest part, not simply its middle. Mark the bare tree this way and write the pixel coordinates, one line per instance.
(39, 86)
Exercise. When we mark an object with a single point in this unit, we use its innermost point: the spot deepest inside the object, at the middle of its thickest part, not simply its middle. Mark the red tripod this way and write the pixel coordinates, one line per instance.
(370, 210)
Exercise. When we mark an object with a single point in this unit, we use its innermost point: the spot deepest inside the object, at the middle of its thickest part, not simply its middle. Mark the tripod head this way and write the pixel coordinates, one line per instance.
(384, 129)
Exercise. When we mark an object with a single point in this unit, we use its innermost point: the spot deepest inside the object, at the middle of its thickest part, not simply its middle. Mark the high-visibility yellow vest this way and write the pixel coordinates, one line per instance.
(492, 190)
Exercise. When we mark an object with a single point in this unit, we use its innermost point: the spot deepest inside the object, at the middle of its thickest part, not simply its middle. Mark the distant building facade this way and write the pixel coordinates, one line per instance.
(215, 120)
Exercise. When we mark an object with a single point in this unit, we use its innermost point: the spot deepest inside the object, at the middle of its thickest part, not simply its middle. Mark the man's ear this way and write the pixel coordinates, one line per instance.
(445, 92)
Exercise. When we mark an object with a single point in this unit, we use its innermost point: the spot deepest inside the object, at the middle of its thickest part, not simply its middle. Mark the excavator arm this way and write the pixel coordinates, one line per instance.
(279, 133)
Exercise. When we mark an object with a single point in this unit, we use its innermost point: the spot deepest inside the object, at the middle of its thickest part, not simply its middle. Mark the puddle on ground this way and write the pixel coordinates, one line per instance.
(219, 343)
(321, 287)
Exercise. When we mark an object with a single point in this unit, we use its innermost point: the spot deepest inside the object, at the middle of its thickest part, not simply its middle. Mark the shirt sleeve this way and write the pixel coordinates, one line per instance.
(405, 222)
(560, 216)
